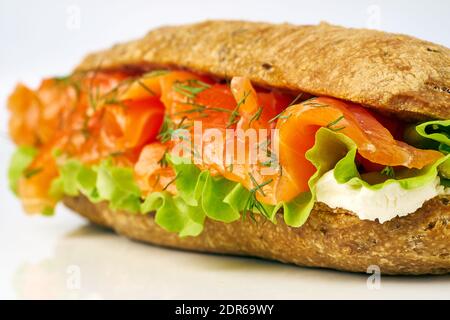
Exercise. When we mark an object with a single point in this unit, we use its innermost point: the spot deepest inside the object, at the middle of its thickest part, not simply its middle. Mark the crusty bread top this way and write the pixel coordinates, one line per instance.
(390, 72)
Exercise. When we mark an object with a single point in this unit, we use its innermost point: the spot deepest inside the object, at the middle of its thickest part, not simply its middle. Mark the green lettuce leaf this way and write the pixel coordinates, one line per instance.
(104, 182)
(75, 178)
(173, 214)
(438, 130)
(223, 200)
(20, 160)
(117, 185)
(346, 171)
(201, 195)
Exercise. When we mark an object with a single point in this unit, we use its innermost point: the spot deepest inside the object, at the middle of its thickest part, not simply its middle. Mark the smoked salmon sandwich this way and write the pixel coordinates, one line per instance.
(319, 145)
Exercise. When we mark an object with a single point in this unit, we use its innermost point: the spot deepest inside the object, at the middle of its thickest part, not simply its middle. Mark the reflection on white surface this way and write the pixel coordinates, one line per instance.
(92, 263)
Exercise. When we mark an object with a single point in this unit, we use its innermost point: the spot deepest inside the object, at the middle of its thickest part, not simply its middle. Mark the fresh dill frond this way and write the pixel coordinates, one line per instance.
(314, 104)
(63, 79)
(388, 171)
(257, 186)
(266, 163)
(164, 134)
(335, 122)
(72, 80)
(112, 95)
(257, 115)
(199, 108)
(234, 117)
(252, 204)
(171, 181)
(163, 161)
(190, 88)
(308, 103)
(29, 173)
(296, 99)
(158, 177)
(146, 88)
(169, 129)
(280, 116)
(116, 154)
(85, 129)
(93, 100)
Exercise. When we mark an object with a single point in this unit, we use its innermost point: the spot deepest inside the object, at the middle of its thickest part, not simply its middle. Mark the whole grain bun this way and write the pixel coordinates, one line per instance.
(415, 244)
(390, 72)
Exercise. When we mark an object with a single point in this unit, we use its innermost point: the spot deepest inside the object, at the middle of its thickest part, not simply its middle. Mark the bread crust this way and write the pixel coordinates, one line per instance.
(411, 245)
(390, 72)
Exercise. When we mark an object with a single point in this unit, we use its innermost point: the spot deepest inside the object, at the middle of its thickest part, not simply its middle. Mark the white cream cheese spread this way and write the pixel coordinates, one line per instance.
(382, 205)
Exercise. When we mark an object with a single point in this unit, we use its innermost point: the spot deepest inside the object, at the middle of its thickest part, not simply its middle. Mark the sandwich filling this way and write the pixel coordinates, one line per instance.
(189, 147)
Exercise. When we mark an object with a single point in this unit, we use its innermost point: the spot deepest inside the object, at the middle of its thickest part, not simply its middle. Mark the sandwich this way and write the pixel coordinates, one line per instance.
(320, 146)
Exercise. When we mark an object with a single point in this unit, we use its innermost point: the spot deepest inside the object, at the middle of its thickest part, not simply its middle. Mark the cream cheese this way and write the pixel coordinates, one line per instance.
(382, 205)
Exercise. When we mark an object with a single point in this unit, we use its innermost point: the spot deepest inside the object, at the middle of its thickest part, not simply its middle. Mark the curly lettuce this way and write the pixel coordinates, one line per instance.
(223, 200)
(346, 171)
(439, 131)
(20, 160)
(202, 195)
(104, 182)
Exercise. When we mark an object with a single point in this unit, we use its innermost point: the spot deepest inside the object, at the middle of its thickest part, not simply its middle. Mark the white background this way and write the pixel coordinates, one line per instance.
(42, 257)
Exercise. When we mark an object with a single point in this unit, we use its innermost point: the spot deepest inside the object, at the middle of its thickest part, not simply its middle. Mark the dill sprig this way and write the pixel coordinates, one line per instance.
(65, 80)
(71, 81)
(335, 122)
(388, 171)
(170, 129)
(115, 154)
(112, 95)
(171, 181)
(256, 116)
(272, 157)
(85, 128)
(163, 161)
(252, 204)
(158, 177)
(93, 100)
(31, 172)
(234, 117)
(257, 186)
(190, 88)
(199, 108)
(280, 116)
(314, 104)
(308, 103)
(146, 88)
(296, 99)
